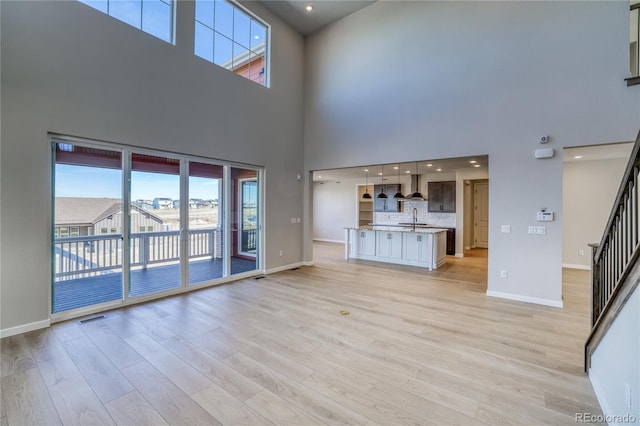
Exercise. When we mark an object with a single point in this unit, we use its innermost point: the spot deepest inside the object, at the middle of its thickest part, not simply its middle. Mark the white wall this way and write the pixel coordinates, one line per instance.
(69, 69)
(590, 189)
(616, 363)
(402, 80)
(334, 208)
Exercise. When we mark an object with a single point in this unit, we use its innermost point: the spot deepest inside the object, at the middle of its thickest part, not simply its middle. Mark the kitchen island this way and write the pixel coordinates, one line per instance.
(405, 245)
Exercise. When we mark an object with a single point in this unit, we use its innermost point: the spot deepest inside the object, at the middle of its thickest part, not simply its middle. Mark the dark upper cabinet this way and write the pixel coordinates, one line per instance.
(388, 204)
(442, 197)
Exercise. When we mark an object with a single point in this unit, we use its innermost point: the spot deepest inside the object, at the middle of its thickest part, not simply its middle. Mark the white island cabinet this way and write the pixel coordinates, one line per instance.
(424, 247)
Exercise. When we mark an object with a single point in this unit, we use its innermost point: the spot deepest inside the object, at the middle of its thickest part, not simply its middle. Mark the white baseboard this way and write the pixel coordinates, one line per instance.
(25, 328)
(284, 268)
(324, 240)
(309, 263)
(459, 255)
(600, 396)
(574, 266)
(467, 247)
(520, 298)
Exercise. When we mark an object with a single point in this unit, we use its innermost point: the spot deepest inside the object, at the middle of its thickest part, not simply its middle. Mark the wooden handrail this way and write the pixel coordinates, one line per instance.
(614, 274)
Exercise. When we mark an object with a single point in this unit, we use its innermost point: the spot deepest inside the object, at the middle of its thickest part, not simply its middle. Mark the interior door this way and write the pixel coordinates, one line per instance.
(481, 214)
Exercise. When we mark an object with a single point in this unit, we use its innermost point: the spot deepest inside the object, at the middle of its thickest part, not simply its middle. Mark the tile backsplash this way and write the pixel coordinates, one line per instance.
(446, 220)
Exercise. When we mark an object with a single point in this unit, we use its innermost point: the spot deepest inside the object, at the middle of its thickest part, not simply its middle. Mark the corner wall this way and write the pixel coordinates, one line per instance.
(402, 80)
(70, 69)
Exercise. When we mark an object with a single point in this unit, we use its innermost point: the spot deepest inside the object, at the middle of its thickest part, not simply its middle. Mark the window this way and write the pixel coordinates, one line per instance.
(104, 231)
(64, 232)
(56, 233)
(142, 229)
(154, 17)
(75, 231)
(229, 36)
(634, 44)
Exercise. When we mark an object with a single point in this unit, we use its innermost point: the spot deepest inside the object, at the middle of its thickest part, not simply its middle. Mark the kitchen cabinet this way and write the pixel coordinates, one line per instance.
(389, 244)
(364, 242)
(416, 247)
(388, 204)
(442, 197)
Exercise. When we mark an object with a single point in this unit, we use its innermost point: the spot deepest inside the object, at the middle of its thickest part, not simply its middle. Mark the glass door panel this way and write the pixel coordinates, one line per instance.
(244, 220)
(206, 224)
(155, 240)
(87, 226)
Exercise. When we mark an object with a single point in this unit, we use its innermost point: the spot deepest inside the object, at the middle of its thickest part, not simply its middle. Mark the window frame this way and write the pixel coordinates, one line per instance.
(252, 16)
(634, 79)
(172, 18)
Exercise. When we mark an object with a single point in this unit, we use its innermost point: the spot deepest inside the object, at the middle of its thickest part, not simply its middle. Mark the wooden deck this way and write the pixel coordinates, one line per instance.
(77, 293)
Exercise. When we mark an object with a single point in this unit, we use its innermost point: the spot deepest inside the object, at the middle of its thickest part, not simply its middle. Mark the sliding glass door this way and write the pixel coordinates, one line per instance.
(131, 223)
(87, 262)
(206, 219)
(155, 224)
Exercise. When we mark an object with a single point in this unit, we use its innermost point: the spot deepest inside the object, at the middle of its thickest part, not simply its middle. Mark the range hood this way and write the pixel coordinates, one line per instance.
(415, 186)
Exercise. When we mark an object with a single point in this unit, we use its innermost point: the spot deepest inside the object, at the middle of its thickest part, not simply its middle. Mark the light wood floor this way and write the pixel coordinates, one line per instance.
(418, 347)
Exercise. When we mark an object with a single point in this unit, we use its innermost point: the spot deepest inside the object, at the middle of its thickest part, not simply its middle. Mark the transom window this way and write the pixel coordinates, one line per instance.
(229, 36)
(151, 16)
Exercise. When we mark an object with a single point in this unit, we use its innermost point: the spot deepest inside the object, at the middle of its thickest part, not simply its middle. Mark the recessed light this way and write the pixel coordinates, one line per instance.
(476, 165)
(366, 170)
(319, 177)
(577, 157)
(408, 171)
(309, 8)
(429, 165)
(379, 174)
(473, 161)
(438, 170)
(396, 168)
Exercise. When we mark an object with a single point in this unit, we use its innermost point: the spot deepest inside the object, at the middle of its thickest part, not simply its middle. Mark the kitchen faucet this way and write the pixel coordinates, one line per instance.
(415, 218)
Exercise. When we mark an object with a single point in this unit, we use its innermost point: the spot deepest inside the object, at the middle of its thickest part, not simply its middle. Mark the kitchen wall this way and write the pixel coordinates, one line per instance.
(68, 68)
(446, 220)
(334, 208)
(402, 80)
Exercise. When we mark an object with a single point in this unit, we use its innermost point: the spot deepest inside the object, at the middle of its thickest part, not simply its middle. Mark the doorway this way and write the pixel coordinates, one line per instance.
(476, 214)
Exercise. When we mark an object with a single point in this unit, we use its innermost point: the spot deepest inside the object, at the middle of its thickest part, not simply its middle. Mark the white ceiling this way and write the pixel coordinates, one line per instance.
(423, 167)
(597, 152)
(324, 12)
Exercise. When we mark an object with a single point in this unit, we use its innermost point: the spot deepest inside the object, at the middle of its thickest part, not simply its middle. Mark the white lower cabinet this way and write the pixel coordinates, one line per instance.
(364, 243)
(390, 244)
(416, 247)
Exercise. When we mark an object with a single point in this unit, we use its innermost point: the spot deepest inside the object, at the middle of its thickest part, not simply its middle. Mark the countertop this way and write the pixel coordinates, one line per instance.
(399, 228)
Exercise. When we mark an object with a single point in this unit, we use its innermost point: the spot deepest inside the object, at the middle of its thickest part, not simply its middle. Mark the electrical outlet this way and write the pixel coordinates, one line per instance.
(504, 274)
(580, 252)
(293, 220)
(506, 229)
(281, 253)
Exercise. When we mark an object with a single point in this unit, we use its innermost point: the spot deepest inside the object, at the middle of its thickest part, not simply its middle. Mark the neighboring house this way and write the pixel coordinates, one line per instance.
(78, 216)
(162, 203)
(145, 204)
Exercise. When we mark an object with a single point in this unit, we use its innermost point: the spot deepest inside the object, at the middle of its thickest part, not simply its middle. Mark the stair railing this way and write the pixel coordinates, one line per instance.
(613, 258)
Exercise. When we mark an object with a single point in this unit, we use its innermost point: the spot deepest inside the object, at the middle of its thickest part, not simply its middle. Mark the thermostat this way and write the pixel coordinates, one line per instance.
(544, 216)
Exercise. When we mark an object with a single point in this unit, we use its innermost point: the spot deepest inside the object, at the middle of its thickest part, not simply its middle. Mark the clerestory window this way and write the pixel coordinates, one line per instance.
(230, 36)
(634, 43)
(155, 17)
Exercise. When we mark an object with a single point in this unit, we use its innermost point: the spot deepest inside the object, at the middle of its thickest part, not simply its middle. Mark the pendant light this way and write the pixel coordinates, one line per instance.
(416, 195)
(382, 194)
(398, 194)
(366, 195)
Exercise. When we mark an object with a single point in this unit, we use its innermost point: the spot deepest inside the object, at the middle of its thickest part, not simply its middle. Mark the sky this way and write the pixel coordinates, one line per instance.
(94, 182)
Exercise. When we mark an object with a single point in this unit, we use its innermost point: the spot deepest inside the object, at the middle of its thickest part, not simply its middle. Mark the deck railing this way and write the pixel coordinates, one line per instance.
(614, 257)
(86, 256)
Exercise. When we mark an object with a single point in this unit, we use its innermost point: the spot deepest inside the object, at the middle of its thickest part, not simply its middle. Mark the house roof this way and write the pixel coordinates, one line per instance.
(88, 211)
